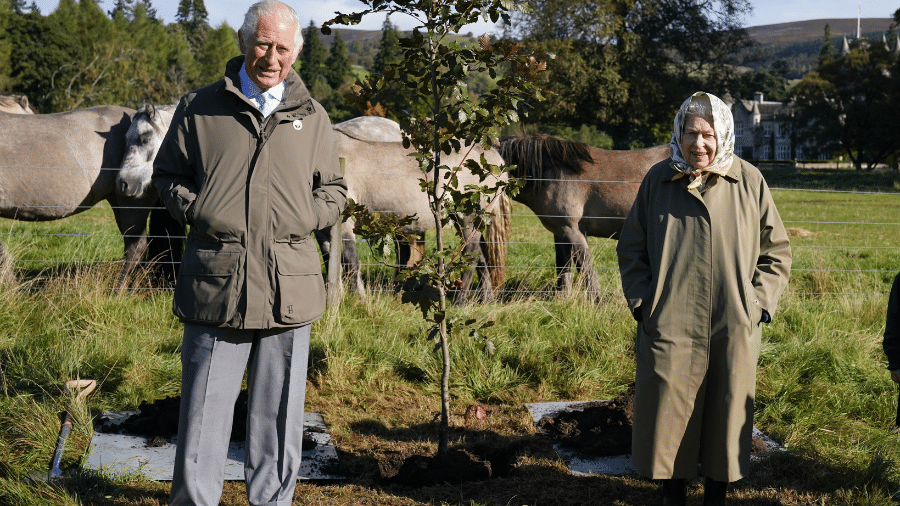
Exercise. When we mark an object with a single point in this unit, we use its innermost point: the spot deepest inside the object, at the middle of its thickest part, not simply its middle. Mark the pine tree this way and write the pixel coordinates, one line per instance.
(192, 21)
(221, 45)
(124, 8)
(6, 13)
(313, 55)
(388, 48)
(149, 10)
(394, 100)
(337, 67)
(826, 50)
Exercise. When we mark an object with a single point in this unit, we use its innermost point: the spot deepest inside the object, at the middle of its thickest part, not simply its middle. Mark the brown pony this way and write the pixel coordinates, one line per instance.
(577, 191)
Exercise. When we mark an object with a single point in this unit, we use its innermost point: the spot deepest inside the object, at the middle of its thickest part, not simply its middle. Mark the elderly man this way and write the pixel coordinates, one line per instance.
(249, 163)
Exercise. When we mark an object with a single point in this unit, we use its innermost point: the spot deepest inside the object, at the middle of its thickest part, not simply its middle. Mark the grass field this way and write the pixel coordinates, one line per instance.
(822, 389)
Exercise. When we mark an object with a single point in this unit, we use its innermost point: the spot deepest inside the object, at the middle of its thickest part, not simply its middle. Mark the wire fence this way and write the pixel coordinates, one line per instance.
(531, 267)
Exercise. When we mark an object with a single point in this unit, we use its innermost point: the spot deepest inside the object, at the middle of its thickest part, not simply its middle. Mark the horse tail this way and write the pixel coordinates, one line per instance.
(497, 238)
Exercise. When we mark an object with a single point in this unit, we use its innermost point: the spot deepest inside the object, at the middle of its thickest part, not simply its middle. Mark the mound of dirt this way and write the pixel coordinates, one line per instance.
(459, 466)
(602, 428)
(158, 420)
(598, 429)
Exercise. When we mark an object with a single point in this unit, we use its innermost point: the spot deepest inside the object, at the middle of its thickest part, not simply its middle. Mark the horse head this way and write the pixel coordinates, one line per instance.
(15, 104)
(142, 141)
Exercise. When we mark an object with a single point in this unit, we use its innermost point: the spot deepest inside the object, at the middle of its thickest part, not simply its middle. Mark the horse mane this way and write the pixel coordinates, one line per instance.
(539, 156)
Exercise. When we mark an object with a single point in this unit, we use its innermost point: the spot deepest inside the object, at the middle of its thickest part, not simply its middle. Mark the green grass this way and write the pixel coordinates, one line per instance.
(822, 390)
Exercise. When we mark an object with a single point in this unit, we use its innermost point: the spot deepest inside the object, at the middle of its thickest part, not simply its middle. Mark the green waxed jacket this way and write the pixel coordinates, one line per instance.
(701, 268)
(252, 190)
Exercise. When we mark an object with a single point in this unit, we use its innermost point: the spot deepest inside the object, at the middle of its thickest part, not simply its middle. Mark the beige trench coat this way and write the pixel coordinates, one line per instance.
(701, 267)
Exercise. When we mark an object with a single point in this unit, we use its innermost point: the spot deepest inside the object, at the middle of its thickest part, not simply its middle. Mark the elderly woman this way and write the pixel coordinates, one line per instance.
(703, 257)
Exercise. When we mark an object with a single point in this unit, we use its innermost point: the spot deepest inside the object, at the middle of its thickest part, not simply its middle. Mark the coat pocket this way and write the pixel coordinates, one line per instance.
(754, 311)
(300, 295)
(206, 290)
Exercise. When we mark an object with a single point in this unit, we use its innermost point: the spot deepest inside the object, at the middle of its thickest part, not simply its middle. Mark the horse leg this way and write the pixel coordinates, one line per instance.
(165, 245)
(6, 265)
(564, 274)
(478, 246)
(131, 218)
(581, 255)
(350, 259)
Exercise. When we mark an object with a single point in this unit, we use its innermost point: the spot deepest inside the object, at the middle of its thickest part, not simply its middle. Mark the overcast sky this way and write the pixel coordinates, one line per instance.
(765, 12)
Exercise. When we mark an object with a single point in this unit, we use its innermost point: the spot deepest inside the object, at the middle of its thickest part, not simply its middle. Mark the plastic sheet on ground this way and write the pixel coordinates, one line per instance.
(120, 454)
(618, 465)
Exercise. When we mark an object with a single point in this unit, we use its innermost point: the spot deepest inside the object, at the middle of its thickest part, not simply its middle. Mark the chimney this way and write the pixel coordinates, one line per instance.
(758, 97)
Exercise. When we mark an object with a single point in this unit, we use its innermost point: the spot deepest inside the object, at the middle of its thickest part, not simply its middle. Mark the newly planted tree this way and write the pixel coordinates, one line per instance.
(446, 118)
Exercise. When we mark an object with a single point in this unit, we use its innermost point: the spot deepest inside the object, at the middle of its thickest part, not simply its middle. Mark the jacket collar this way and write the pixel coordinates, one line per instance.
(296, 103)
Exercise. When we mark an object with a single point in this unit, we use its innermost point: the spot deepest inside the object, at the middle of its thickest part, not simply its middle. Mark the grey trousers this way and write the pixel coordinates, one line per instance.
(213, 361)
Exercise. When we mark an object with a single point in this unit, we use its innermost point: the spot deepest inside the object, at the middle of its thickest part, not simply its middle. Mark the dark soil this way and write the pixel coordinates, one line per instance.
(158, 422)
(459, 466)
(598, 429)
(602, 428)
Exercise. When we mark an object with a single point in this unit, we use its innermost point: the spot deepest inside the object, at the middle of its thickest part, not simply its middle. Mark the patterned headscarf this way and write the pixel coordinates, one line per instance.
(723, 124)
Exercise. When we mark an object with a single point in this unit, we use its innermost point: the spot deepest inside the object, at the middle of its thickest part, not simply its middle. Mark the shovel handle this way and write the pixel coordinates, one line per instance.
(84, 387)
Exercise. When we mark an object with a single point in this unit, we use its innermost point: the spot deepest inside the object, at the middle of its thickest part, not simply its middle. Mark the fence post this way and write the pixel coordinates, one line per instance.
(335, 286)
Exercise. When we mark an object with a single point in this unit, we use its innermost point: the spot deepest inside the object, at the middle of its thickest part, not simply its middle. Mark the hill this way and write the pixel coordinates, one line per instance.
(803, 31)
(796, 43)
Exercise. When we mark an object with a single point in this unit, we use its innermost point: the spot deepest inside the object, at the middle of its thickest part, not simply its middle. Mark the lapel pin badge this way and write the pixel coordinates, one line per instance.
(298, 124)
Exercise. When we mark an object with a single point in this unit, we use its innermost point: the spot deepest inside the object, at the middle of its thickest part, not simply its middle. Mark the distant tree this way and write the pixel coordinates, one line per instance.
(394, 100)
(772, 85)
(191, 22)
(149, 10)
(625, 66)
(164, 66)
(219, 47)
(826, 50)
(88, 74)
(6, 19)
(389, 51)
(192, 13)
(123, 8)
(313, 55)
(851, 103)
(337, 67)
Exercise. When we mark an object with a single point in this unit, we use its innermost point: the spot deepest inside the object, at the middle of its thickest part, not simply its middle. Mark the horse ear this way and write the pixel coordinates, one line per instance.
(147, 107)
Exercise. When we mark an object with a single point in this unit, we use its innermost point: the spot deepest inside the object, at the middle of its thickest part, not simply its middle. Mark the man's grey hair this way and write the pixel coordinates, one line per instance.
(266, 9)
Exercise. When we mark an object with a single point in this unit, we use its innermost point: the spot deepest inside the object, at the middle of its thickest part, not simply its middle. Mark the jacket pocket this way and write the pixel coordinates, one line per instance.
(754, 311)
(207, 286)
(300, 297)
